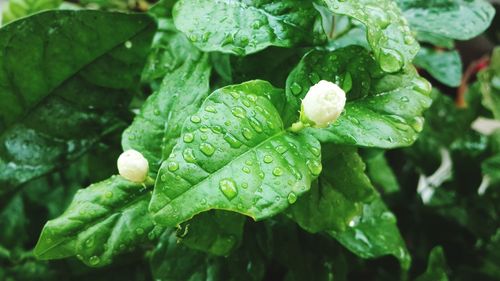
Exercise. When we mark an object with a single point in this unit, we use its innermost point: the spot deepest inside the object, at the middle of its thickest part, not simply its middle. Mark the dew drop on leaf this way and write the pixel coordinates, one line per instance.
(228, 188)
(292, 198)
(314, 166)
(207, 149)
(173, 166)
(94, 260)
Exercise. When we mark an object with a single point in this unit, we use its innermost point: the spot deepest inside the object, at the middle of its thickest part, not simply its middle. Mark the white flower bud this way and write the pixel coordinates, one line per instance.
(133, 166)
(323, 104)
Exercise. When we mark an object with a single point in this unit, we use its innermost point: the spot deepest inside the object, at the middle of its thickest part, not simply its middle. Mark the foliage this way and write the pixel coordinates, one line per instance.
(402, 186)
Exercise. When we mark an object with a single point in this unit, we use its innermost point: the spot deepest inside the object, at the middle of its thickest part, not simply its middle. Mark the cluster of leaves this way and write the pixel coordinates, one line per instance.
(206, 91)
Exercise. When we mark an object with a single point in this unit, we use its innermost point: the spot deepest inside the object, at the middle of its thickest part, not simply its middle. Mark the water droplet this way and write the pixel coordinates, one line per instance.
(128, 44)
(244, 185)
(314, 77)
(404, 99)
(193, 37)
(195, 119)
(391, 60)
(239, 111)
(173, 166)
(203, 137)
(417, 124)
(249, 162)
(203, 201)
(207, 149)
(205, 36)
(292, 198)
(217, 129)
(256, 124)
(163, 178)
(268, 159)
(210, 109)
(188, 137)
(296, 88)
(233, 142)
(108, 194)
(189, 155)
(228, 188)
(277, 171)
(281, 149)
(139, 231)
(296, 173)
(314, 166)
(246, 170)
(94, 260)
(388, 216)
(422, 86)
(315, 151)
(90, 242)
(247, 133)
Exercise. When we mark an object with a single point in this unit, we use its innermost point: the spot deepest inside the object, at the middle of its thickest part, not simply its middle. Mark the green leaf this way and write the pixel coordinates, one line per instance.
(13, 223)
(235, 155)
(490, 84)
(169, 51)
(375, 235)
(172, 261)
(381, 174)
(216, 232)
(15, 9)
(244, 27)
(439, 17)
(436, 267)
(490, 168)
(387, 31)
(62, 85)
(382, 110)
(445, 66)
(104, 220)
(339, 194)
(156, 129)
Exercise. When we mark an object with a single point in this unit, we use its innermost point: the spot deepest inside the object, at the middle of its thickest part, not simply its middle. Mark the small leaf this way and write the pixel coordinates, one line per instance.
(436, 267)
(339, 194)
(156, 129)
(490, 84)
(216, 232)
(244, 27)
(382, 110)
(63, 84)
(235, 155)
(387, 31)
(445, 66)
(103, 221)
(381, 174)
(375, 234)
(439, 17)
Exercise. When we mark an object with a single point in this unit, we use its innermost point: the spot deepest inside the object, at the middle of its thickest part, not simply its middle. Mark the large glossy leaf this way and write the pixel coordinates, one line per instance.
(375, 234)
(382, 110)
(244, 27)
(156, 129)
(62, 84)
(387, 31)
(235, 155)
(15, 9)
(445, 66)
(338, 196)
(216, 232)
(104, 220)
(439, 17)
